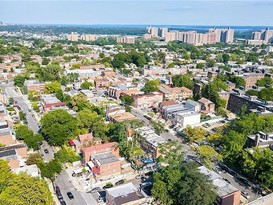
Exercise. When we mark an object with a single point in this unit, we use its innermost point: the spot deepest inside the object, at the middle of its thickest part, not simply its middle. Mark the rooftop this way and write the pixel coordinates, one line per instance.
(125, 193)
(105, 158)
(223, 188)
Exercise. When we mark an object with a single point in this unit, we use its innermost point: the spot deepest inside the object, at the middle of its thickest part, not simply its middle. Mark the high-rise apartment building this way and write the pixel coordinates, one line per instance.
(223, 35)
(265, 36)
(153, 31)
(88, 37)
(163, 32)
(73, 36)
(126, 39)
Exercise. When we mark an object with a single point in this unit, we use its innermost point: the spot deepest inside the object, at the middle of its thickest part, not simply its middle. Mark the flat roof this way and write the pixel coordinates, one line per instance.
(7, 153)
(223, 188)
(266, 200)
(105, 158)
(122, 190)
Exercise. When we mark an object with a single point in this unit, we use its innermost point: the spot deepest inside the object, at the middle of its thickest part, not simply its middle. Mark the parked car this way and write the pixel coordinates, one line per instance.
(148, 174)
(145, 184)
(96, 189)
(70, 195)
(58, 192)
(245, 194)
(120, 182)
(46, 151)
(107, 186)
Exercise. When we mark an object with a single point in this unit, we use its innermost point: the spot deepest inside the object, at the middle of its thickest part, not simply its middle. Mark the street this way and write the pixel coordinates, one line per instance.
(32, 121)
(65, 185)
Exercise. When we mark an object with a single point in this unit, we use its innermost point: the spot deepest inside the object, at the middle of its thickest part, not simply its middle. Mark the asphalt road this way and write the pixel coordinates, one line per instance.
(33, 123)
(63, 182)
(240, 185)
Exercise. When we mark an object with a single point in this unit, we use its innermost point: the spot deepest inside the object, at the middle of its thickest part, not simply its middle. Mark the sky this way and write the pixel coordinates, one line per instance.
(140, 12)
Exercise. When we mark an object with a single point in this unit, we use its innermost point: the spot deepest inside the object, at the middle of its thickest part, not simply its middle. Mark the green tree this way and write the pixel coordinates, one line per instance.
(151, 86)
(50, 169)
(225, 57)
(183, 81)
(183, 185)
(194, 133)
(86, 85)
(200, 65)
(266, 94)
(127, 99)
(52, 87)
(58, 126)
(19, 80)
(79, 102)
(266, 81)
(22, 189)
(33, 158)
(208, 155)
(45, 61)
(66, 154)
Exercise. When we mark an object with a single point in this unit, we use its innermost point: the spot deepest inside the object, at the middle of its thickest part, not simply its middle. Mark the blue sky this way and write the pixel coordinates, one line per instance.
(179, 12)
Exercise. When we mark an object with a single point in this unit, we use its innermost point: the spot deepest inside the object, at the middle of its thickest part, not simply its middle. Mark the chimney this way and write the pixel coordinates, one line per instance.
(257, 139)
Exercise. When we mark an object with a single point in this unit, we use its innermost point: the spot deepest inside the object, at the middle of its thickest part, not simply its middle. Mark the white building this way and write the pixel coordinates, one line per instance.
(187, 118)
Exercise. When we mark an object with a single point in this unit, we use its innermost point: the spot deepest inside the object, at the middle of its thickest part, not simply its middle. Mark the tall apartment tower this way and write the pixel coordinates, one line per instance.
(73, 37)
(163, 32)
(229, 34)
(268, 36)
(256, 35)
(153, 31)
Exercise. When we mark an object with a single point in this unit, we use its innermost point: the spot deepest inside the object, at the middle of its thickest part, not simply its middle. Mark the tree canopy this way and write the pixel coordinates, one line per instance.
(22, 189)
(151, 86)
(183, 185)
(58, 126)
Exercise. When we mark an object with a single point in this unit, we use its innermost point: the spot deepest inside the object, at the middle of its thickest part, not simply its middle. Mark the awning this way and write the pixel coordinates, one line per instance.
(90, 164)
(71, 143)
(96, 170)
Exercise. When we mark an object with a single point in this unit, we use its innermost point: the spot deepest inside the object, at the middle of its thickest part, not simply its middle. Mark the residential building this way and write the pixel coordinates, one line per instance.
(87, 152)
(265, 35)
(252, 78)
(34, 85)
(73, 36)
(150, 141)
(265, 200)
(49, 102)
(14, 154)
(163, 32)
(206, 105)
(260, 140)
(88, 37)
(105, 164)
(186, 118)
(102, 83)
(126, 39)
(147, 100)
(126, 194)
(7, 136)
(226, 193)
(153, 31)
(176, 93)
(31, 170)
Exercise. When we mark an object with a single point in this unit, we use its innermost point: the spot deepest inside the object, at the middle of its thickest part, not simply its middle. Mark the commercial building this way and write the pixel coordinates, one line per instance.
(126, 194)
(186, 118)
(226, 193)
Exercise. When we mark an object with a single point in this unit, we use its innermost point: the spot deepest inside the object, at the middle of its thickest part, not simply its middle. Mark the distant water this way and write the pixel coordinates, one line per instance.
(182, 27)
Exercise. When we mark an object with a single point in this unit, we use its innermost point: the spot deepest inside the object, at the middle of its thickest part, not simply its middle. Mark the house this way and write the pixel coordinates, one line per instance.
(206, 105)
(48, 102)
(226, 193)
(126, 194)
(95, 149)
(121, 117)
(176, 93)
(265, 200)
(6, 135)
(34, 85)
(105, 165)
(252, 78)
(31, 170)
(147, 100)
(150, 141)
(14, 154)
(102, 83)
(261, 140)
(187, 118)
